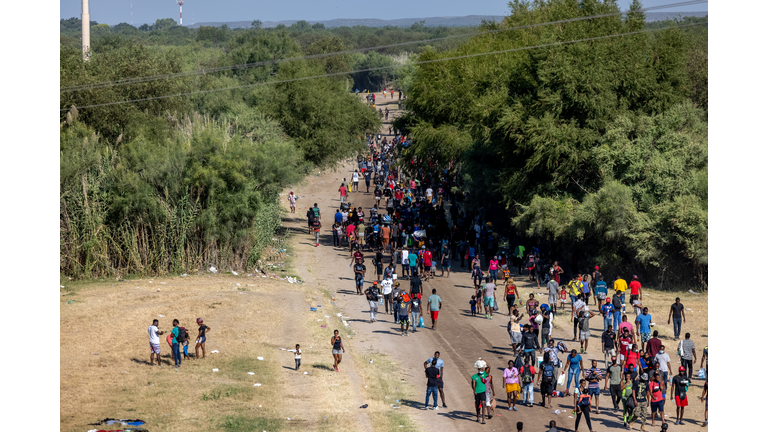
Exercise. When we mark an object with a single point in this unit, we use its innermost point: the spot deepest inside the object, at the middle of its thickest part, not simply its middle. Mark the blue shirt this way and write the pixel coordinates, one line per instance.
(412, 259)
(645, 323)
(439, 364)
(434, 302)
(608, 310)
(338, 217)
(574, 361)
(471, 251)
(601, 287)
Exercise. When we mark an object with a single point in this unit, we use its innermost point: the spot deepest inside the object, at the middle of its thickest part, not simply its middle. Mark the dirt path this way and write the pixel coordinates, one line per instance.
(461, 338)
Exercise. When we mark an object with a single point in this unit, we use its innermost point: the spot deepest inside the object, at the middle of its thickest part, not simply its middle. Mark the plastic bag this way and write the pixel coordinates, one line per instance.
(702, 373)
(561, 379)
(421, 322)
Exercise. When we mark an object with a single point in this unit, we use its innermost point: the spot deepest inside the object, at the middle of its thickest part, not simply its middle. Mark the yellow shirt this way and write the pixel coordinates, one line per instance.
(620, 285)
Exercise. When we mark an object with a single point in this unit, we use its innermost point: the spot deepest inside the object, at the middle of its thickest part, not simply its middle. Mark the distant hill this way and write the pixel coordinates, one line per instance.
(465, 21)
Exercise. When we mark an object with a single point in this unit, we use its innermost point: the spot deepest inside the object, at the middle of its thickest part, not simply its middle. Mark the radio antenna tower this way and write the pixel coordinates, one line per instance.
(181, 3)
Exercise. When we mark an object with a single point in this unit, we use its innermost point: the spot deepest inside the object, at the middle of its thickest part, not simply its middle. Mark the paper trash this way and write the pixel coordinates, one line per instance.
(260, 358)
(215, 370)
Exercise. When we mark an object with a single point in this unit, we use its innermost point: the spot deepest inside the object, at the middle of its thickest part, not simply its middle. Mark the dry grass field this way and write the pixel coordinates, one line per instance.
(105, 368)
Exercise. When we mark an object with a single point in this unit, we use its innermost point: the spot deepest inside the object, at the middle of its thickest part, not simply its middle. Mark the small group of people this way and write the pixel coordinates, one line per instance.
(177, 338)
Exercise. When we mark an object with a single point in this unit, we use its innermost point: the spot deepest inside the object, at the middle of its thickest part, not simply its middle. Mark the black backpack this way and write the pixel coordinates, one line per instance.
(527, 376)
(617, 303)
(519, 362)
(182, 335)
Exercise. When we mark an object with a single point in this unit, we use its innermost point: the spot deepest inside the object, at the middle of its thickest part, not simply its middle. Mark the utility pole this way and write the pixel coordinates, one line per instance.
(85, 19)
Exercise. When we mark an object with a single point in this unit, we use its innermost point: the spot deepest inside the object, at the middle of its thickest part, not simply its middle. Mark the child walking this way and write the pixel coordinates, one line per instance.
(186, 343)
(473, 306)
(563, 296)
(297, 356)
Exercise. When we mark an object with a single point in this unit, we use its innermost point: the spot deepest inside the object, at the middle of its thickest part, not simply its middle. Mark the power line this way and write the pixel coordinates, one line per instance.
(136, 80)
(382, 67)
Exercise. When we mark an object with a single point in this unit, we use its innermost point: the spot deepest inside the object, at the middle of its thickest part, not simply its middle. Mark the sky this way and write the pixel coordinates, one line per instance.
(147, 11)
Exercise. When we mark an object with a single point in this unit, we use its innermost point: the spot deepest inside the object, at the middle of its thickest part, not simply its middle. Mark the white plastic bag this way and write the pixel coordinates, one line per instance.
(561, 379)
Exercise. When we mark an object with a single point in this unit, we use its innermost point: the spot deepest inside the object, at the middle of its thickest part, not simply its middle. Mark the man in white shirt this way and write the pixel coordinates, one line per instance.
(386, 291)
(154, 343)
(429, 195)
(578, 306)
(662, 358)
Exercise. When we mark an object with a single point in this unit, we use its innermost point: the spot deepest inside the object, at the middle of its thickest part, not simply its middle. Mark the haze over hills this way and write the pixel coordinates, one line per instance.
(469, 20)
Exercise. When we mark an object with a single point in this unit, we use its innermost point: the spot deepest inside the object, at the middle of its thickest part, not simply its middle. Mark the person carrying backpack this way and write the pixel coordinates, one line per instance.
(547, 381)
(617, 302)
(527, 373)
(582, 404)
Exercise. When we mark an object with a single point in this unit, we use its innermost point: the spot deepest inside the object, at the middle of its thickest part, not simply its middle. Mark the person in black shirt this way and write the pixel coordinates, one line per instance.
(433, 382)
(680, 393)
(677, 313)
(640, 393)
(416, 286)
(359, 269)
(379, 264)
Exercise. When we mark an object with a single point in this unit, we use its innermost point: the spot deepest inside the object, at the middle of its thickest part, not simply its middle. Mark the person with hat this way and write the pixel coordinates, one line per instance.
(404, 304)
(640, 394)
(680, 393)
(635, 290)
(477, 383)
(593, 376)
(613, 378)
(200, 341)
(372, 295)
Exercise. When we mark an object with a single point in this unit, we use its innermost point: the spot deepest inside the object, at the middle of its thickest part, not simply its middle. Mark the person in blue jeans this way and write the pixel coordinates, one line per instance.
(433, 382)
(175, 345)
(574, 366)
(608, 312)
(677, 315)
(616, 300)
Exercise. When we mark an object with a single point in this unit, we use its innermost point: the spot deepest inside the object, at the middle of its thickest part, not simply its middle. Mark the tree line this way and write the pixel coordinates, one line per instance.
(178, 184)
(596, 150)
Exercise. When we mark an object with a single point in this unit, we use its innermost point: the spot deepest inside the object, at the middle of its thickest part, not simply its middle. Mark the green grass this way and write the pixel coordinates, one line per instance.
(247, 423)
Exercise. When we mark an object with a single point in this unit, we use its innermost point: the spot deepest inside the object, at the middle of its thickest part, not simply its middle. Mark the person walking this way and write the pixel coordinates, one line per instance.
(440, 364)
(530, 344)
(704, 395)
(489, 297)
(416, 316)
(582, 405)
(527, 375)
(607, 310)
(201, 338)
(512, 385)
(663, 365)
(435, 304)
(635, 290)
(386, 294)
(676, 315)
(404, 304)
(656, 390)
(643, 323)
(292, 201)
(513, 328)
(342, 193)
(688, 354)
(616, 302)
(653, 346)
(584, 333)
(640, 395)
(577, 307)
(613, 379)
(680, 393)
(574, 365)
(433, 376)
(547, 381)
(593, 376)
(337, 350)
(372, 295)
(154, 343)
(546, 324)
(608, 340)
(601, 290)
(553, 289)
(620, 286)
(478, 389)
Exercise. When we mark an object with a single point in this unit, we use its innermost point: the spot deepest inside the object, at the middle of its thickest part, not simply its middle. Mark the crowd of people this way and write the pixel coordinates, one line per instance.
(411, 227)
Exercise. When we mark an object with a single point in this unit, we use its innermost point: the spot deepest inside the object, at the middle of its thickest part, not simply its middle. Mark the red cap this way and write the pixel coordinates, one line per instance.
(681, 369)
(597, 268)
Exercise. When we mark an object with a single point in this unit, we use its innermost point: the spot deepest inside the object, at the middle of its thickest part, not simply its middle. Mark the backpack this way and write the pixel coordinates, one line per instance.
(616, 303)
(548, 373)
(583, 324)
(519, 362)
(527, 375)
(182, 335)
